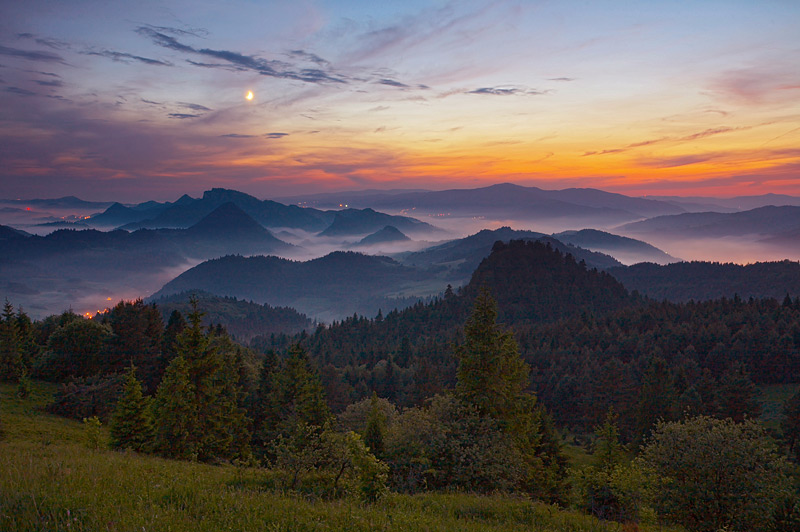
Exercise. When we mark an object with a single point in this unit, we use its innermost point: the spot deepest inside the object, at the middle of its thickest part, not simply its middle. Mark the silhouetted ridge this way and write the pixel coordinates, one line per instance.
(534, 282)
(361, 221)
(387, 234)
(229, 221)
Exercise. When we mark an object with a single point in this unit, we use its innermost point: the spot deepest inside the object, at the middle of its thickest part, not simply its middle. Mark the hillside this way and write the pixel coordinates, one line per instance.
(463, 255)
(333, 286)
(76, 487)
(684, 281)
(349, 222)
(242, 319)
(622, 248)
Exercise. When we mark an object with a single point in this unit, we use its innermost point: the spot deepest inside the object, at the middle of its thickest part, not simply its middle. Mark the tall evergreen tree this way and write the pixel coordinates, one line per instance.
(175, 413)
(221, 430)
(11, 364)
(492, 378)
(375, 431)
(491, 374)
(132, 422)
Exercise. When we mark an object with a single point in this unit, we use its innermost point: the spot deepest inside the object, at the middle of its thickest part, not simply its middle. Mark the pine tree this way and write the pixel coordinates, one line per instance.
(175, 413)
(132, 422)
(491, 374)
(11, 365)
(375, 431)
(298, 395)
(221, 430)
(492, 378)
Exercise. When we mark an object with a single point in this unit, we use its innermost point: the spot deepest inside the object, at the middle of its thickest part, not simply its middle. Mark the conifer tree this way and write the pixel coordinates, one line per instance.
(375, 431)
(298, 395)
(132, 423)
(491, 374)
(175, 413)
(11, 365)
(221, 430)
(492, 378)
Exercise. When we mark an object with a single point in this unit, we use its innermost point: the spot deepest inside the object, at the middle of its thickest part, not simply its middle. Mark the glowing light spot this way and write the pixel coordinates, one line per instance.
(27, 209)
(249, 96)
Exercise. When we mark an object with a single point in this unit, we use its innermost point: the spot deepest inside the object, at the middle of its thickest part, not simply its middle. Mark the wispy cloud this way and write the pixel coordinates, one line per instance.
(507, 91)
(182, 116)
(123, 57)
(20, 92)
(392, 83)
(686, 138)
(237, 136)
(307, 56)
(237, 60)
(194, 106)
(49, 83)
(276, 135)
(31, 55)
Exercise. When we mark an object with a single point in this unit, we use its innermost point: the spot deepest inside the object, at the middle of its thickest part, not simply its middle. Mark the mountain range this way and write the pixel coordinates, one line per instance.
(763, 222)
(525, 203)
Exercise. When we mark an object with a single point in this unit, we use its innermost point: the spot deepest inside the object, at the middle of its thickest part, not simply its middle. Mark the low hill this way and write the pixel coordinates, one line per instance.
(350, 222)
(684, 281)
(463, 255)
(533, 282)
(242, 319)
(625, 249)
(386, 235)
(333, 286)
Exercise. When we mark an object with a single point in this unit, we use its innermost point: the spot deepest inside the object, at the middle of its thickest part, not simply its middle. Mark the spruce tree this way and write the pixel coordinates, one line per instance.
(491, 374)
(375, 431)
(492, 378)
(221, 430)
(175, 413)
(11, 365)
(132, 423)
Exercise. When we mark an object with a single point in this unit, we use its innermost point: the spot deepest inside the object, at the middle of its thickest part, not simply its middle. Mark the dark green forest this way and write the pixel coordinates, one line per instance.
(489, 388)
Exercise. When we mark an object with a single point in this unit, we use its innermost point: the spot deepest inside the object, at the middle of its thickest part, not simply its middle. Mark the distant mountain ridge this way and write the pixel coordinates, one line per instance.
(620, 247)
(765, 221)
(510, 199)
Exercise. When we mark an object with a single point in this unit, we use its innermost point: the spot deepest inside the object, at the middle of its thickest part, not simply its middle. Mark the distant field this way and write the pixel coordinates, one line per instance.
(52, 481)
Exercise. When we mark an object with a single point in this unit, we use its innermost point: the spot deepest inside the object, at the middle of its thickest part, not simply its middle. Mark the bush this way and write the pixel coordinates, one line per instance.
(716, 474)
(448, 445)
(87, 397)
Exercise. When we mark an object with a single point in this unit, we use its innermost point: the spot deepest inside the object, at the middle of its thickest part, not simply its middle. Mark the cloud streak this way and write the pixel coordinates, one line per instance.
(31, 55)
(123, 57)
(507, 91)
(240, 61)
(687, 138)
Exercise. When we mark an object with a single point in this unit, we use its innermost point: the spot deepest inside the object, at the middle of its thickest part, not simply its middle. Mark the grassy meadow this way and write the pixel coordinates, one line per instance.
(53, 480)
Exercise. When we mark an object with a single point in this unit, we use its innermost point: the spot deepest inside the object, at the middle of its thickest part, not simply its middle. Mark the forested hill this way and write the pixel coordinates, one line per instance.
(699, 281)
(531, 281)
(242, 319)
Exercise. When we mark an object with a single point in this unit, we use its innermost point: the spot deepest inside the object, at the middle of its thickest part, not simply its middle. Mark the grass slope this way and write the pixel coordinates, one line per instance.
(52, 481)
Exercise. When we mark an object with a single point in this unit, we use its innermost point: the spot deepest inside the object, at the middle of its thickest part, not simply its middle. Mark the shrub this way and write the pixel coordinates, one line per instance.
(716, 474)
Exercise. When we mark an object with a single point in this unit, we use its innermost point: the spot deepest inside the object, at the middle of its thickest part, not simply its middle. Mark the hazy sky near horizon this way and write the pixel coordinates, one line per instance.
(111, 99)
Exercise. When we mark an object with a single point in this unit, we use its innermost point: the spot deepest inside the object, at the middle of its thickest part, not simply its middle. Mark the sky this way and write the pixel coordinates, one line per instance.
(131, 101)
